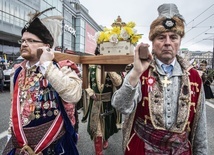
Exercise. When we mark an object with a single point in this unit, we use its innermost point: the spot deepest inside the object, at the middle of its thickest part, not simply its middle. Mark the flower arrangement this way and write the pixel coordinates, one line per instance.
(120, 31)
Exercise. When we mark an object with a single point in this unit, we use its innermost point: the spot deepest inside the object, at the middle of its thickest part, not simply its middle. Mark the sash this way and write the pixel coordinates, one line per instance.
(49, 136)
(162, 141)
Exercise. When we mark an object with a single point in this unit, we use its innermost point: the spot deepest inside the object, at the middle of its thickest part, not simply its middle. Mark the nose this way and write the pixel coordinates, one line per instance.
(168, 40)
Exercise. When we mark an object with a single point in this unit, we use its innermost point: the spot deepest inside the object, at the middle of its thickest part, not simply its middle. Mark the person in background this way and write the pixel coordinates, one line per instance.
(41, 90)
(162, 96)
(71, 109)
(207, 78)
(1, 79)
(103, 119)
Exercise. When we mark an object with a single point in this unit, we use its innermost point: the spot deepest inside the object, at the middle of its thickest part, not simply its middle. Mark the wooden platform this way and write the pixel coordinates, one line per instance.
(108, 63)
(64, 56)
(93, 60)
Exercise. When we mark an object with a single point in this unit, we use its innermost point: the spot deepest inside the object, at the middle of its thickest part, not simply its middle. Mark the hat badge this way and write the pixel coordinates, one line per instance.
(169, 23)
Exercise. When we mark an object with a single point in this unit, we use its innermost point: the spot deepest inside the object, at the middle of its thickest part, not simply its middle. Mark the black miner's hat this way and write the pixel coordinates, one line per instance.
(36, 27)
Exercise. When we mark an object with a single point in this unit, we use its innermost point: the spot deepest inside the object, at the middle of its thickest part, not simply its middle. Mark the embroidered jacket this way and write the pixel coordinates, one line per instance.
(102, 117)
(127, 99)
(39, 97)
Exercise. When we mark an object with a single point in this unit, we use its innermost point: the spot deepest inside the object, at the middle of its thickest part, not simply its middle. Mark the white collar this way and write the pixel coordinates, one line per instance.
(28, 65)
(160, 63)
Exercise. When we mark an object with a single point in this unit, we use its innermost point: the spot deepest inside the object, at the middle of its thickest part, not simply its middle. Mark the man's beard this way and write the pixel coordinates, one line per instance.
(26, 54)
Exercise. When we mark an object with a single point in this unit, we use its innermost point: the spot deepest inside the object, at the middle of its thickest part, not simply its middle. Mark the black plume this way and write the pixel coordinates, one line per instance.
(35, 15)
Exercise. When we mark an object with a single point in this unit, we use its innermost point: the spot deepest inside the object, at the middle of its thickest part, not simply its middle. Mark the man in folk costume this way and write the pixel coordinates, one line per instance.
(103, 119)
(41, 88)
(162, 96)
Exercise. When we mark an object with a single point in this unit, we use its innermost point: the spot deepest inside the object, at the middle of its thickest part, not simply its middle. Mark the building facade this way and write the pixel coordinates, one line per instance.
(78, 27)
(197, 56)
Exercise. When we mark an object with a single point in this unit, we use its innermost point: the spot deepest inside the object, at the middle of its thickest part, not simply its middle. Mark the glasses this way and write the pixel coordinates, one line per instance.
(30, 41)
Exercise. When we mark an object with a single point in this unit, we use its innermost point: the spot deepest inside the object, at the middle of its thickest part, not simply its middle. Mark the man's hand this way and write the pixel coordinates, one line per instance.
(47, 54)
(140, 65)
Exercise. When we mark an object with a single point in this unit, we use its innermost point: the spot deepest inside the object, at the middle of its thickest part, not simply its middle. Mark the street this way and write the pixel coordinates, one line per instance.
(85, 145)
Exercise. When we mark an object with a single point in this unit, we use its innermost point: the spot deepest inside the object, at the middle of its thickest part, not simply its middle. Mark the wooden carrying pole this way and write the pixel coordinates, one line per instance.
(108, 63)
(63, 56)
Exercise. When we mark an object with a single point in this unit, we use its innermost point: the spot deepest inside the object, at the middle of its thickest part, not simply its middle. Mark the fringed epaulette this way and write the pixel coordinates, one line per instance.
(70, 64)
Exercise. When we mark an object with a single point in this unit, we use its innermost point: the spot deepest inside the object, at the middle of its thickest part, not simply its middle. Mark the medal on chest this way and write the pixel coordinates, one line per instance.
(35, 97)
(150, 82)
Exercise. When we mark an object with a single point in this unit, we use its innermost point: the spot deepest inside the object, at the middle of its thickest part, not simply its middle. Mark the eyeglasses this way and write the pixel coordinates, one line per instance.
(31, 41)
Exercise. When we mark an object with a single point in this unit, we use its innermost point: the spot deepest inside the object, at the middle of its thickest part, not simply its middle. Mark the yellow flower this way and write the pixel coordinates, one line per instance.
(125, 32)
(107, 36)
(129, 30)
(130, 24)
(101, 37)
(134, 39)
(116, 30)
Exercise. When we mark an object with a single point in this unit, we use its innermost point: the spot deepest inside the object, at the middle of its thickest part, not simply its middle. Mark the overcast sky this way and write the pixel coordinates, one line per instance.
(198, 14)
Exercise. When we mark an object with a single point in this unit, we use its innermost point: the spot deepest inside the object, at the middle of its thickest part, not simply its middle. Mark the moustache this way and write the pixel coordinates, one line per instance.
(24, 49)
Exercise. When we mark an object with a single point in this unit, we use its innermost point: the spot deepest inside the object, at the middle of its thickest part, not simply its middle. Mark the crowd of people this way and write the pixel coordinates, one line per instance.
(161, 96)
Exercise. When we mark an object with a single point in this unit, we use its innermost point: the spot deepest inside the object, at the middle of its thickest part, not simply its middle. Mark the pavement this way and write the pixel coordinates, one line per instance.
(210, 100)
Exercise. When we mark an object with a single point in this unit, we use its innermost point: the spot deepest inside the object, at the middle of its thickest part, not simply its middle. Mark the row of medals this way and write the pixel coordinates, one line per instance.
(36, 102)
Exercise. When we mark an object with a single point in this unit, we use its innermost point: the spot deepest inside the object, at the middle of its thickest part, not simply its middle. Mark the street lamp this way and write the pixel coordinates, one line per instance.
(213, 48)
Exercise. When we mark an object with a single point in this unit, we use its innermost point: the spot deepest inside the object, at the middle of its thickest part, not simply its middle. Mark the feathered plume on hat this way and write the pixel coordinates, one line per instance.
(169, 20)
(47, 29)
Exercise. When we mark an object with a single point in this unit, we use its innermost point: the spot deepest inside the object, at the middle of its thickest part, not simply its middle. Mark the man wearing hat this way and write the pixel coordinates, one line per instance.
(39, 124)
(103, 120)
(162, 96)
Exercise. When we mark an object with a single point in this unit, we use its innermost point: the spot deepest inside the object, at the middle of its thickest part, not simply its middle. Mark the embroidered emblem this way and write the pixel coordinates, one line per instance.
(195, 85)
(143, 80)
(193, 105)
(146, 118)
(144, 98)
(165, 82)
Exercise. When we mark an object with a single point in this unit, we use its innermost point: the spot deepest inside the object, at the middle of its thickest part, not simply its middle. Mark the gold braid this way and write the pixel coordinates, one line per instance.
(29, 150)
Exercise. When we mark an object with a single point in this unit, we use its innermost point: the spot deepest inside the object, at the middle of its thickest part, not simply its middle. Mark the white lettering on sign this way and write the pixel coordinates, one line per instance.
(70, 29)
(91, 37)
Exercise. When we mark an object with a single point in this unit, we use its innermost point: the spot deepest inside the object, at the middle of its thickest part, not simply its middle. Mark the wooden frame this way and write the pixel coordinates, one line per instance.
(108, 63)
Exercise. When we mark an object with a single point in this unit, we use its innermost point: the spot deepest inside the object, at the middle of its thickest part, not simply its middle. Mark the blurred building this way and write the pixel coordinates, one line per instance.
(78, 27)
(197, 56)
